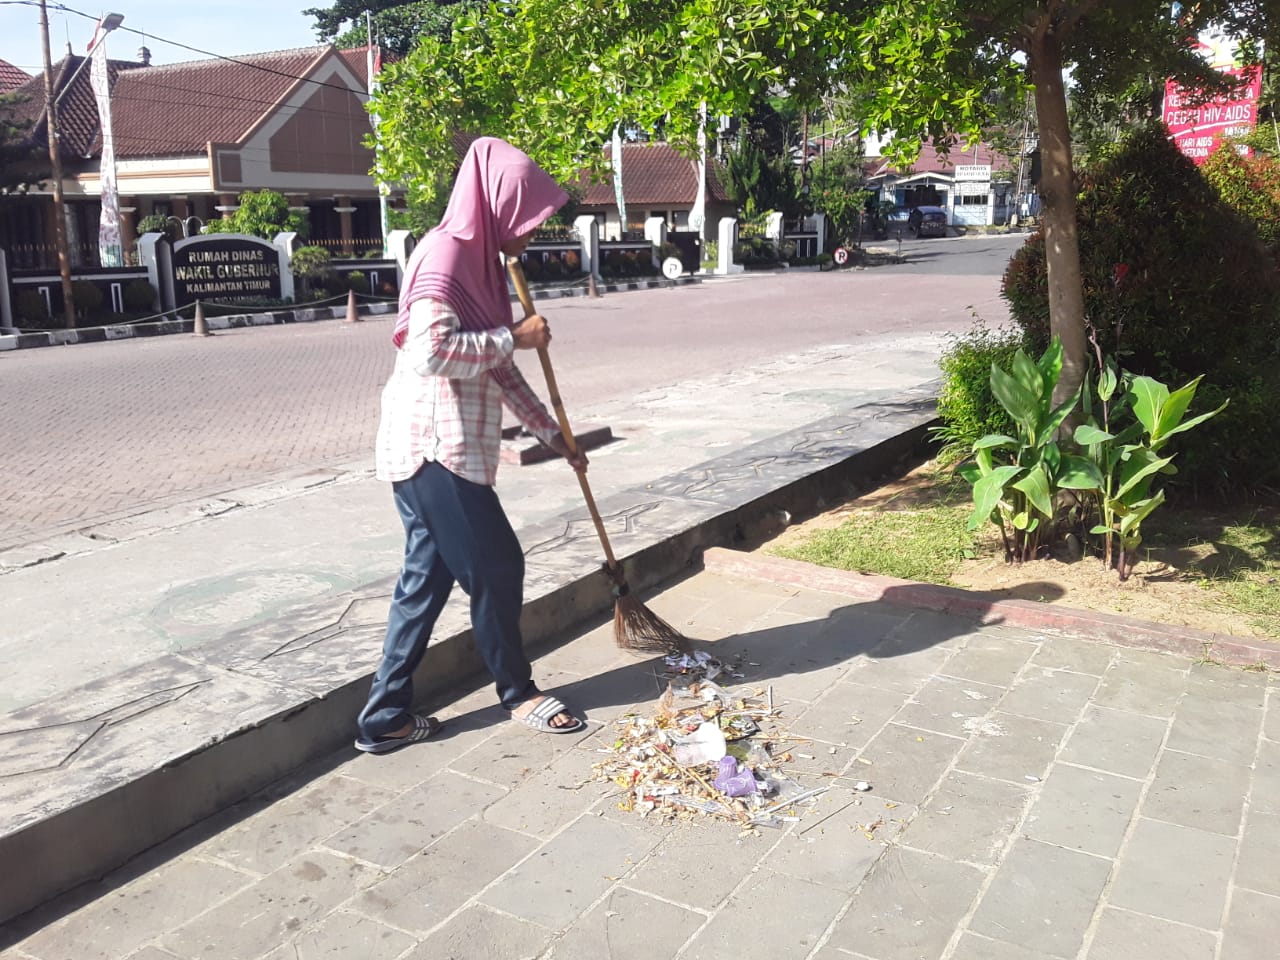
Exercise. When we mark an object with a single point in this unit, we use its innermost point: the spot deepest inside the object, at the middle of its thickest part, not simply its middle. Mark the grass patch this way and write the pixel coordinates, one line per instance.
(914, 528)
(1242, 571)
(926, 544)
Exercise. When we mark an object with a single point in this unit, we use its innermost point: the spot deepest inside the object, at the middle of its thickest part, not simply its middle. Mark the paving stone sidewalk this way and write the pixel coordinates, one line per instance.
(1034, 796)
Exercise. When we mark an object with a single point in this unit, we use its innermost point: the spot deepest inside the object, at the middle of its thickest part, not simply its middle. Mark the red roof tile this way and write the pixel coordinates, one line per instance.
(931, 161)
(653, 173)
(11, 77)
(177, 109)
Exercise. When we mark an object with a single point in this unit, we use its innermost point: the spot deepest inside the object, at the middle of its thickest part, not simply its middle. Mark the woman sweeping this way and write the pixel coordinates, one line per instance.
(439, 437)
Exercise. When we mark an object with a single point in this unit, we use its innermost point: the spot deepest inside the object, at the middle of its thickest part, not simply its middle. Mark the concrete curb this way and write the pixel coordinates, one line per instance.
(990, 609)
(241, 730)
(155, 328)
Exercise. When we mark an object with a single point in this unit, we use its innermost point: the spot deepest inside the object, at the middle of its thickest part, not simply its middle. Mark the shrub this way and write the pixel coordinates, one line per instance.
(1251, 186)
(86, 296)
(357, 281)
(311, 263)
(572, 261)
(159, 223)
(138, 295)
(31, 309)
(1177, 285)
(967, 407)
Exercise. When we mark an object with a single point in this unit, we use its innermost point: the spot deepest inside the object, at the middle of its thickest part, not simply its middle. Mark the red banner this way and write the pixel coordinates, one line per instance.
(1198, 129)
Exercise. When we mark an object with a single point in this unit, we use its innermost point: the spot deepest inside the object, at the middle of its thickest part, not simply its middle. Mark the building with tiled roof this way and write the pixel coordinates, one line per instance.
(11, 77)
(656, 182)
(972, 185)
(191, 137)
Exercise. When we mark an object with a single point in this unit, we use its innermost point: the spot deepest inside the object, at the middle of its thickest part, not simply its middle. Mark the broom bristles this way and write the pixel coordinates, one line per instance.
(637, 628)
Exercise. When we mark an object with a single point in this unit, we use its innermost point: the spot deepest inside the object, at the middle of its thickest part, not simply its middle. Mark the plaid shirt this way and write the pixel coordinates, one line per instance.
(444, 400)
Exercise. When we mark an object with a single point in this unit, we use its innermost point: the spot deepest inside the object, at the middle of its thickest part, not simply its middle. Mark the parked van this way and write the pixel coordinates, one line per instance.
(928, 222)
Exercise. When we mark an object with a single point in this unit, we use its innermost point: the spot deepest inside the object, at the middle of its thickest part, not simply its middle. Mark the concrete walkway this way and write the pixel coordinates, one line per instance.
(1035, 795)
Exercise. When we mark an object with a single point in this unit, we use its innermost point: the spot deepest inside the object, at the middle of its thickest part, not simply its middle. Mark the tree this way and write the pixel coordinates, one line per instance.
(397, 24)
(22, 162)
(262, 213)
(951, 51)
(555, 77)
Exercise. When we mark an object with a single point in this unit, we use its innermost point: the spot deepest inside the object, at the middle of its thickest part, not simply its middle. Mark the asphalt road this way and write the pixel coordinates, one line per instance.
(97, 431)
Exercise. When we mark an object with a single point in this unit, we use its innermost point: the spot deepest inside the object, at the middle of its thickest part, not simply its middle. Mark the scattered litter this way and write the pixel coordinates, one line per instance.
(1032, 777)
(707, 750)
(735, 779)
(705, 745)
(862, 786)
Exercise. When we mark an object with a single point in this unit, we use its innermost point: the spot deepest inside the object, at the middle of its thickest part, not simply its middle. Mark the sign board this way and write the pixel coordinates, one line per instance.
(1198, 129)
(841, 256)
(973, 171)
(225, 267)
(672, 268)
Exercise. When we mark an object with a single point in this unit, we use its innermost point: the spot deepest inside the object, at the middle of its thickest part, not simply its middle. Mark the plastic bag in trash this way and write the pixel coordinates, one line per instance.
(705, 745)
(735, 779)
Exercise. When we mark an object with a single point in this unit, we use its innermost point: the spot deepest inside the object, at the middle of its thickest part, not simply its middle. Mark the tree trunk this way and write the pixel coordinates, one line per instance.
(1058, 196)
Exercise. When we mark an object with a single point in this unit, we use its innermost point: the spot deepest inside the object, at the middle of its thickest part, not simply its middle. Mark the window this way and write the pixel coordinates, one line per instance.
(972, 200)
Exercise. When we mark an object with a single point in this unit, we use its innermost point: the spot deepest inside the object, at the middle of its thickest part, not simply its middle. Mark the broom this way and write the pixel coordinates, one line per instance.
(635, 626)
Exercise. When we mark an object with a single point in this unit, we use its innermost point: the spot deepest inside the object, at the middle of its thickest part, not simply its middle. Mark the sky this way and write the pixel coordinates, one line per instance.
(225, 27)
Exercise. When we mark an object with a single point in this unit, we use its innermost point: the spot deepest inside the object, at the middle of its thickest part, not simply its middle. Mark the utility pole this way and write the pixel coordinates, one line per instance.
(55, 161)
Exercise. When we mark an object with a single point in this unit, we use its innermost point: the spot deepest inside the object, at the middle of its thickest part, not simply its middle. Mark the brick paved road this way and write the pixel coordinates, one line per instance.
(97, 431)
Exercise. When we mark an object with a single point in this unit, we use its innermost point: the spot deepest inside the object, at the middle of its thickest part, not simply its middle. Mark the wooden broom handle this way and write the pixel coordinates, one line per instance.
(522, 291)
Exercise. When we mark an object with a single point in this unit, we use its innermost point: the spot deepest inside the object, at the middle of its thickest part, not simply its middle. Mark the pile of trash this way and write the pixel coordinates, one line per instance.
(706, 751)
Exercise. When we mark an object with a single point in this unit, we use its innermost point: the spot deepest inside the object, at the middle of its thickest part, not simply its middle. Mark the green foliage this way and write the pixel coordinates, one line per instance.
(1251, 187)
(23, 163)
(967, 407)
(555, 77)
(845, 209)
(1134, 418)
(261, 213)
(31, 309)
(159, 223)
(758, 183)
(397, 24)
(926, 545)
(311, 263)
(1017, 478)
(356, 280)
(1198, 294)
(87, 297)
(138, 295)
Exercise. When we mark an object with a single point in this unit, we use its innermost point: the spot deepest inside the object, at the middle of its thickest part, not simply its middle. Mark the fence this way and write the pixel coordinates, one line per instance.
(337, 247)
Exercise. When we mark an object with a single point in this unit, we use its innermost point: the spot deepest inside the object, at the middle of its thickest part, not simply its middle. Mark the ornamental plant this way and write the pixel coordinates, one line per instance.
(1016, 479)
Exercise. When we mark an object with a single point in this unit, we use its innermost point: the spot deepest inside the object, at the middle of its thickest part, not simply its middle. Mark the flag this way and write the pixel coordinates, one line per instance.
(373, 67)
(617, 182)
(698, 215)
(110, 250)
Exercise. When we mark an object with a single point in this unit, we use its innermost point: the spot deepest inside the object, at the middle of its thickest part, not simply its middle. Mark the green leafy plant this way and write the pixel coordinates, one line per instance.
(1128, 456)
(261, 213)
(31, 309)
(1200, 296)
(87, 297)
(159, 223)
(138, 295)
(966, 406)
(1018, 491)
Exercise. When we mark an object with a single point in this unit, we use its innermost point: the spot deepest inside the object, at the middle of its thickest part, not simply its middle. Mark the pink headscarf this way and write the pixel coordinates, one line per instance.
(500, 194)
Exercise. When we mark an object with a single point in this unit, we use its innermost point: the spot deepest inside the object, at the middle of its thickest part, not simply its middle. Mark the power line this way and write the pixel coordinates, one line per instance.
(206, 53)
